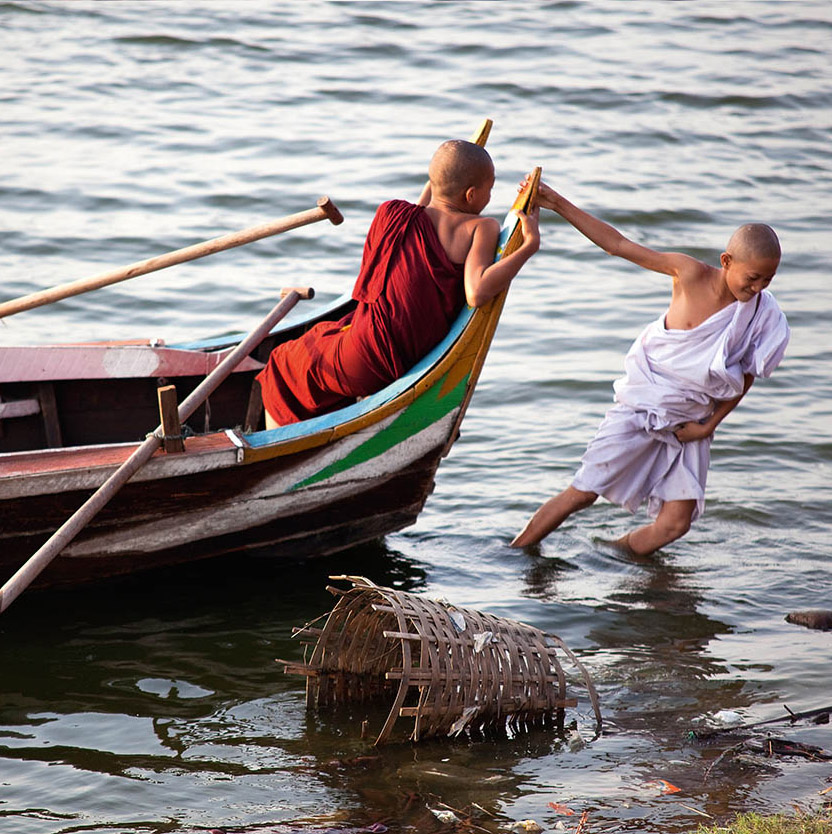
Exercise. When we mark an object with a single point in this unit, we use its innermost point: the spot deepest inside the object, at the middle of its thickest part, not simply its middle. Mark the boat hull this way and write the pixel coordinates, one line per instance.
(155, 524)
(309, 489)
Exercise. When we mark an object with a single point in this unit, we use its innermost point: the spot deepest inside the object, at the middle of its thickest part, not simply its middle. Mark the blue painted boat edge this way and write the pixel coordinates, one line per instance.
(509, 225)
(351, 412)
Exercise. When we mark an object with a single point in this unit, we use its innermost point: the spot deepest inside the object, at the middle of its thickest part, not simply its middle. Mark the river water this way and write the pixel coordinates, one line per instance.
(129, 129)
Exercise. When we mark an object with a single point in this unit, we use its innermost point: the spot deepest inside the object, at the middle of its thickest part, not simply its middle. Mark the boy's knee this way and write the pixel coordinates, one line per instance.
(676, 524)
(678, 528)
(582, 499)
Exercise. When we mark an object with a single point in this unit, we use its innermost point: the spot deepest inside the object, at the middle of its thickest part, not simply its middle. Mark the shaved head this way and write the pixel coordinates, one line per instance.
(457, 165)
(752, 241)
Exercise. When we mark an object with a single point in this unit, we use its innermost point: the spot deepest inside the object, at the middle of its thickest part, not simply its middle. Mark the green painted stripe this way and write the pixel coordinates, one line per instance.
(421, 413)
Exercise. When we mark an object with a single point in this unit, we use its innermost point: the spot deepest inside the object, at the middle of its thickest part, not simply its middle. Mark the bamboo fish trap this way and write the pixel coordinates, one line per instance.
(449, 669)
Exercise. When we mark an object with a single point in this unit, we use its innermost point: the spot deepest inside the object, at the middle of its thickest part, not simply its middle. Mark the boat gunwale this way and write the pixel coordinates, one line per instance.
(375, 408)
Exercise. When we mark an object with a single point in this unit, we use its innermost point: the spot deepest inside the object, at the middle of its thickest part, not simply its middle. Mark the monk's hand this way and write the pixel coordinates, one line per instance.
(692, 431)
(545, 195)
(530, 225)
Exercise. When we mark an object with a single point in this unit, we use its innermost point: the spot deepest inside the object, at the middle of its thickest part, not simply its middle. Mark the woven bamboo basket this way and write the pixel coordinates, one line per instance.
(450, 669)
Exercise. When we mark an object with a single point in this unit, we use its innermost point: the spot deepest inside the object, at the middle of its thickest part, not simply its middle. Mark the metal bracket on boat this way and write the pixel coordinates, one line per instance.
(238, 442)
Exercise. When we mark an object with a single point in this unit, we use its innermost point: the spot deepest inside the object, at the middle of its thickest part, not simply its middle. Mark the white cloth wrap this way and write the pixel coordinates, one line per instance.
(673, 377)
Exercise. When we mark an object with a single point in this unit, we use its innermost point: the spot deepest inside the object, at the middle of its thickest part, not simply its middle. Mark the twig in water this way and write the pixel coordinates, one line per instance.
(719, 758)
(696, 810)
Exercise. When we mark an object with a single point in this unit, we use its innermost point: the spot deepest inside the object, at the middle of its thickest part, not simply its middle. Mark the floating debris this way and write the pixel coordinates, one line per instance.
(662, 785)
(576, 741)
(527, 826)
(771, 747)
(445, 817)
(696, 810)
(818, 716)
(783, 747)
(727, 718)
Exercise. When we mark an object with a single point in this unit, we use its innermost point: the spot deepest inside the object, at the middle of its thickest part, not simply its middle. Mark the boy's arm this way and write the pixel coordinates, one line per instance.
(698, 431)
(485, 278)
(613, 242)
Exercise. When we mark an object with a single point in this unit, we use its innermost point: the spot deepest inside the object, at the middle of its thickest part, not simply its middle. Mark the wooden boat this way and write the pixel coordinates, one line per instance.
(71, 414)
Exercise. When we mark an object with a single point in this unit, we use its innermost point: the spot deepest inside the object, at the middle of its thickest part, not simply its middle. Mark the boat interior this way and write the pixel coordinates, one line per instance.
(59, 396)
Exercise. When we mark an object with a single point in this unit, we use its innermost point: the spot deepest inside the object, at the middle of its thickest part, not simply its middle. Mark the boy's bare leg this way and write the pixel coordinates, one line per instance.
(672, 522)
(552, 514)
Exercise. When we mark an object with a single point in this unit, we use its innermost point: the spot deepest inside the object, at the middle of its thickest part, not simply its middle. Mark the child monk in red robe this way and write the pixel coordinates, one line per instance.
(421, 263)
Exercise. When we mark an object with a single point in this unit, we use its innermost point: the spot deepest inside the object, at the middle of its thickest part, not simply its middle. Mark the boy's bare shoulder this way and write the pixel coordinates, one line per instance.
(693, 270)
(687, 269)
(485, 224)
(476, 224)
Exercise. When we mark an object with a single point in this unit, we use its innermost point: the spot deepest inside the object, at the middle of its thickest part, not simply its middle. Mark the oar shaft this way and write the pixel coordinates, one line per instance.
(243, 349)
(59, 540)
(325, 210)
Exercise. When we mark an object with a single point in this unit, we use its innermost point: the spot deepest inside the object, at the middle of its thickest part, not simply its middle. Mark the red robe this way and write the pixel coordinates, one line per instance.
(408, 294)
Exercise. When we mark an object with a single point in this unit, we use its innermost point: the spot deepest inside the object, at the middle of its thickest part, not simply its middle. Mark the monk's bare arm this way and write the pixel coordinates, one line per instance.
(608, 238)
(483, 277)
(699, 431)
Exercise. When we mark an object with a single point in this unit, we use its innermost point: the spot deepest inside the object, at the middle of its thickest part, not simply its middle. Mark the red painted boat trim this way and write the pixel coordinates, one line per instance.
(48, 363)
(18, 464)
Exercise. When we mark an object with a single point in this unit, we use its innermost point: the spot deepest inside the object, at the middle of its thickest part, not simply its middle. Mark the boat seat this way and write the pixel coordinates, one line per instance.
(9, 409)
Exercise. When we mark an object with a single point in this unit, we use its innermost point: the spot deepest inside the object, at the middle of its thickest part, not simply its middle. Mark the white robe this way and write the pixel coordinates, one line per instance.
(673, 377)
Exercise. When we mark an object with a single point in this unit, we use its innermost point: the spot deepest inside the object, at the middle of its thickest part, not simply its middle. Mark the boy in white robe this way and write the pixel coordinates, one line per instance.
(683, 375)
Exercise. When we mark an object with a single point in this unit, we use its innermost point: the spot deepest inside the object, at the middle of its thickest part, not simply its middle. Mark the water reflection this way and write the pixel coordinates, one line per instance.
(654, 656)
(402, 782)
(170, 676)
(145, 684)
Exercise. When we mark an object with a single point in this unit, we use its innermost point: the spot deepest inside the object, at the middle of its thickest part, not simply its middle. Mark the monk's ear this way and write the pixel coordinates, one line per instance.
(470, 194)
(726, 260)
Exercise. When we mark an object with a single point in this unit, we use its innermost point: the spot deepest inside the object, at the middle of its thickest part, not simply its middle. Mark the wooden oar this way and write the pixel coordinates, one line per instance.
(95, 503)
(479, 137)
(325, 209)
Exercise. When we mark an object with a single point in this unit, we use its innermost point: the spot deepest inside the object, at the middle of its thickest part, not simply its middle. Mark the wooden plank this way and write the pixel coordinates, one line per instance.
(14, 465)
(119, 540)
(254, 410)
(46, 363)
(172, 439)
(51, 421)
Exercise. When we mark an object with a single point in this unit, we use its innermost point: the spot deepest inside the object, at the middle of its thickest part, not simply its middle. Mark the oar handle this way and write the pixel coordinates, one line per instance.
(324, 210)
(303, 292)
(59, 540)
